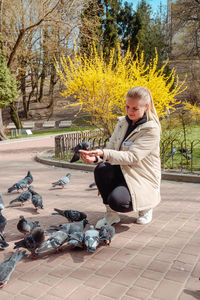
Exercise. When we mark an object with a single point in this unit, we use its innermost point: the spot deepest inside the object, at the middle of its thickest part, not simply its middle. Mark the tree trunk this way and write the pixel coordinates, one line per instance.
(14, 115)
(52, 84)
(23, 87)
(43, 76)
(2, 134)
(44, 65)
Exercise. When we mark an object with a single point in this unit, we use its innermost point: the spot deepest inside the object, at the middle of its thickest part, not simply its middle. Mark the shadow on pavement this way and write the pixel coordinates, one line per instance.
(195, 294)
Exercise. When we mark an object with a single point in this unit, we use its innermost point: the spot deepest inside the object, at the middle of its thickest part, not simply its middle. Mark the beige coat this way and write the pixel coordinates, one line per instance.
(139, 158)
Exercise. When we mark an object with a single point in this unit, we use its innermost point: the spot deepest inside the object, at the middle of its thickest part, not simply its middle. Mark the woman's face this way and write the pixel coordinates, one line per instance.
(135, 109)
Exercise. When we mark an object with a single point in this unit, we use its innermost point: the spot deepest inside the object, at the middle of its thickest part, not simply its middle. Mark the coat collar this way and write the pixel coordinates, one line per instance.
(140, 121)
(149, 124)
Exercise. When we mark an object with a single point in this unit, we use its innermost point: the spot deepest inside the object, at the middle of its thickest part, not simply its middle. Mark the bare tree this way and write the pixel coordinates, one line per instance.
(185, 25)
(24, 26)
(185, 18)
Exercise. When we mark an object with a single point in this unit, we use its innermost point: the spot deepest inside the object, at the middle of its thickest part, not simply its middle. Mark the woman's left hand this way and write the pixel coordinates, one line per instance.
(90, 156)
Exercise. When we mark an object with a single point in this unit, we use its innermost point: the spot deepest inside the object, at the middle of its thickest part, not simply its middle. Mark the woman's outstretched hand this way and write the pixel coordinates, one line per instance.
(89, 157)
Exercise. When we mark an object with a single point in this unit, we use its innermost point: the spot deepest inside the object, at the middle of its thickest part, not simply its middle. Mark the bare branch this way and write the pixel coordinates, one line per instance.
(22, 32)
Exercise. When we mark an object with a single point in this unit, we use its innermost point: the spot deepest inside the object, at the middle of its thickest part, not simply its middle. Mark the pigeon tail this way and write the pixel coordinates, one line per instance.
(75, 157)
(45, 246)
(13, 201)
(19, 244)
(12, 188)
(60, 212)
(19, 255)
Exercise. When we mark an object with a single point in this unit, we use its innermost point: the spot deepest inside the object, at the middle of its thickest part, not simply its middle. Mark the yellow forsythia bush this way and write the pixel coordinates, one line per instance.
(193, 110)
(100, 86)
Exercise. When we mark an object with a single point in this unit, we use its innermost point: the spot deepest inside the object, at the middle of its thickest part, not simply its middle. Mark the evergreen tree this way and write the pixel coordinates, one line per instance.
(8, 86)
(151, 34)
(8, 89)
(110, 26)
(91, 25)
(128, 27)
(118, 22)
(99, 25)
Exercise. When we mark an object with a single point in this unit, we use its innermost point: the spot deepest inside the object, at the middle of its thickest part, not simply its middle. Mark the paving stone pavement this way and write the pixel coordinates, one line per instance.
(158, 261)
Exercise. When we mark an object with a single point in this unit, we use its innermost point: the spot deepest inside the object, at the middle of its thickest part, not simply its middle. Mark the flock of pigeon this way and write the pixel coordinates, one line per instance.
(73, 232)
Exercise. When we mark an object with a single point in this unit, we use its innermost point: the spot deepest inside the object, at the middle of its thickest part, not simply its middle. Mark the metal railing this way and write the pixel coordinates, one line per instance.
(181, 156)
(175, 155)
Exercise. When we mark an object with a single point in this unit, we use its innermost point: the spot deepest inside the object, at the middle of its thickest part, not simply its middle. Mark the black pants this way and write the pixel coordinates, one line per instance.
(112, 187)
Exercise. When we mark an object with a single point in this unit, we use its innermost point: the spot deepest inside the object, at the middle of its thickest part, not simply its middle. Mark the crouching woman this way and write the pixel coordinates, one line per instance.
(128, 173)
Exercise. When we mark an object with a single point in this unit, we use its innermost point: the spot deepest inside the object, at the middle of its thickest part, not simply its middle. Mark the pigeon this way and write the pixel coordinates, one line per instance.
(77, 154)
(173, 151)
(29, 177)
(106, 233)
(3, 222)
(23, 197)
(56, 240)
(183, 150)
(3, 243)
(32, 241)
(70, 227)
(22, 183)
(188, 156)
(62, 181)
(1, 203)
(71, 215)
(77, 226)
(8, 266)
(25, 226)
(36, 198)
(76, 239)
(91, 239)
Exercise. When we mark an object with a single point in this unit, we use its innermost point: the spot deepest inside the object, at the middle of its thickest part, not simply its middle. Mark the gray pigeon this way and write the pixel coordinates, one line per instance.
(8, 266)
(1, 203)
(32, 241)
(3, 243)
(3, 222)
(91, 239)
(57, 239)
(188, 156)
(77, 154)
(62, 181)
(23, 197)
(173, 152)
(29, 177)
(25, 226)
(76, 239)
(36, 198)
(70, 227)
(106, 233)
(71, 215)
(22, 183)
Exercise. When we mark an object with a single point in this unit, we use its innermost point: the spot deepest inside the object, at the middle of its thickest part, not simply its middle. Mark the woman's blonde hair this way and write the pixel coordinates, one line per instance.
(144, 94)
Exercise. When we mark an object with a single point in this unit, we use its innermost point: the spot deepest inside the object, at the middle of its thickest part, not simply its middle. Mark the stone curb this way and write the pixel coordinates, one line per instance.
(45, 157)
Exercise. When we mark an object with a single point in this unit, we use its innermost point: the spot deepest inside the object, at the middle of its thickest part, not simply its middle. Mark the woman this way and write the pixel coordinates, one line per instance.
(128, 172)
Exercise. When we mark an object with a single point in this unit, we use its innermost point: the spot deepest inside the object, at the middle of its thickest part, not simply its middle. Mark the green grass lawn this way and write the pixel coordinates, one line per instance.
(190, 160)
(51, 131)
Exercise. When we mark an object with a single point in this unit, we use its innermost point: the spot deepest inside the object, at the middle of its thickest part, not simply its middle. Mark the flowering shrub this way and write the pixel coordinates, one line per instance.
(100, 86)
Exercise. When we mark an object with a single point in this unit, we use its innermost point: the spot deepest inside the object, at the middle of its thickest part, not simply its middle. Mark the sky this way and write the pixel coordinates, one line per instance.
(155, 4)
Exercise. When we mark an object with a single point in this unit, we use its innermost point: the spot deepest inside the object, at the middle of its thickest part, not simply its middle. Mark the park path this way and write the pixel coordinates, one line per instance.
(158, 261)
